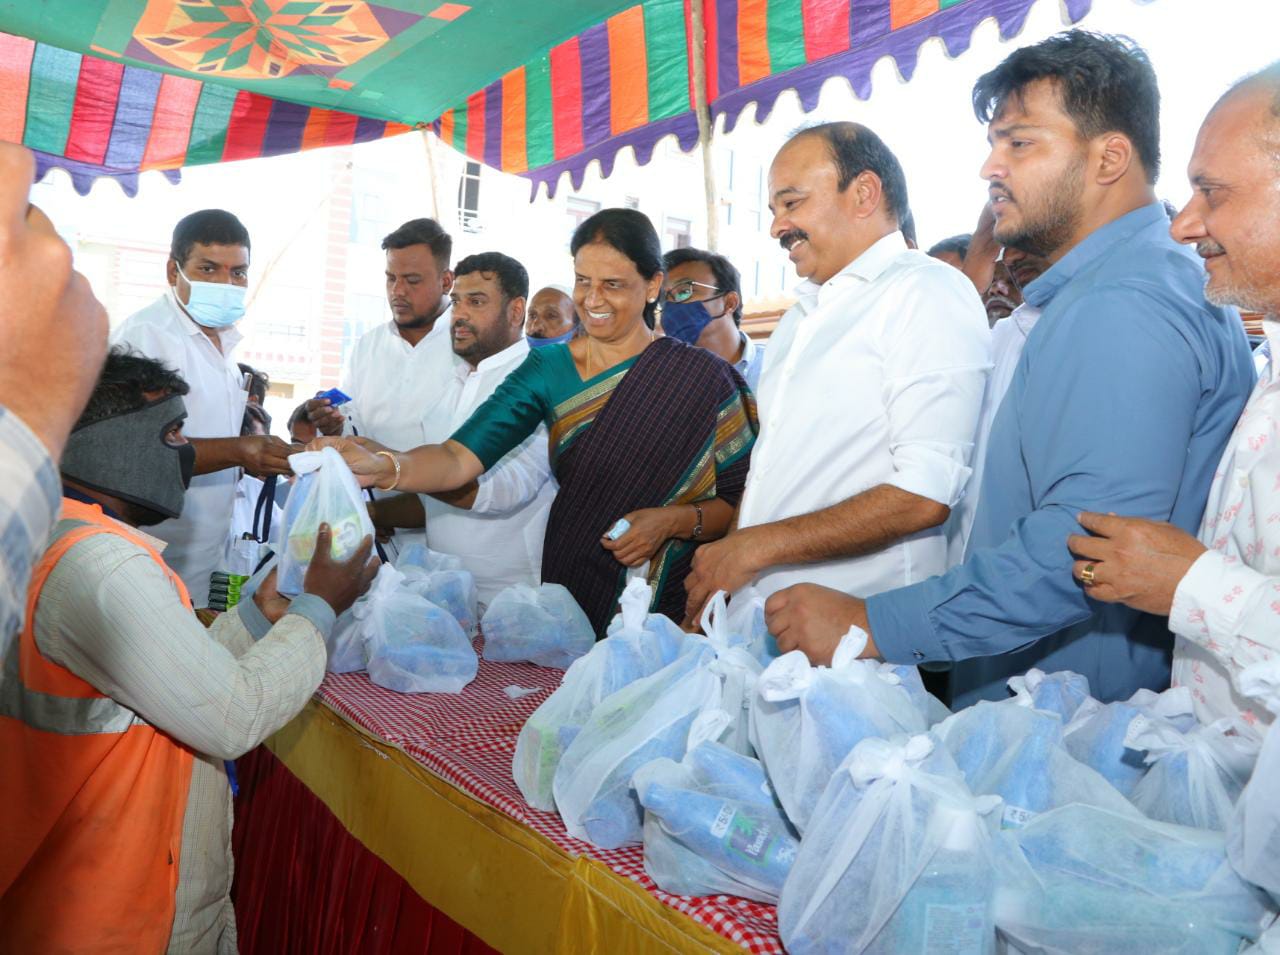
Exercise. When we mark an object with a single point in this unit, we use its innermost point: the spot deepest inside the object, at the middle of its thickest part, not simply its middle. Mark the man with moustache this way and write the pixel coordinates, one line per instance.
(552, 319)
(1219, 591)
(495, 524)
(869, 392)
(1122, 400)
(402, 366)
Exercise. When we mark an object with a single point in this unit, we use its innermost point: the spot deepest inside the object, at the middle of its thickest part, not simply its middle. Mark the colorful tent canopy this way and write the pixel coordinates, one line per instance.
(526, 86)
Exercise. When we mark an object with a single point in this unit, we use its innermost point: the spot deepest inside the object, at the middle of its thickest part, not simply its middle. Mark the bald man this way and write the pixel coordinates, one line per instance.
(551, 319)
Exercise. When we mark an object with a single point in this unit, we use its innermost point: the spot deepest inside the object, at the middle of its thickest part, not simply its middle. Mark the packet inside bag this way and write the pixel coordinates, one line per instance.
(805, 719)
(326, 493)
(542, 625)
(897, 859)
(1062, 692)
(638, 644)
(1096, 733)
(712, 824)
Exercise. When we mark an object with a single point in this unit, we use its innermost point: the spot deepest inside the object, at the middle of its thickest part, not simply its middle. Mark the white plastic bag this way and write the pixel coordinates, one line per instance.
(543, 626)
(1084, 881)
(1253, 835)
(805, 719)
(1016, 753)
(737, 669)
(412, 645)
(326, 493)
(745, 621)
(712, 825)
(453, 590)
(932, 708)
(1195, 777)
(1062, 692)
(638, 644)
(897, 859)
(643, 721)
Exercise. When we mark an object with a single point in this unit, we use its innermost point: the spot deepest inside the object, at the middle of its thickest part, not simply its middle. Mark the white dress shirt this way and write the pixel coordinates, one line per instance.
(391, 383)
(1008, 336)
(875, 377)
(215, 409)
(500, 539)
(1226, 610)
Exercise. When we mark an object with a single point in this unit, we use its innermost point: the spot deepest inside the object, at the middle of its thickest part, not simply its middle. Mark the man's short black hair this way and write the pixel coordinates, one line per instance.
(512, 277)
(423, 232)
(255, 412)
(959, 244)
(907, 226)
(127, 378)
(259, 381)
(1106, 84)
(855, 149)
(726, 273)
(206, 227)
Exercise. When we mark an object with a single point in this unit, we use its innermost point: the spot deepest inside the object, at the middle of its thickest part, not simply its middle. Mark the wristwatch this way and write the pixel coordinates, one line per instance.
(697, 527)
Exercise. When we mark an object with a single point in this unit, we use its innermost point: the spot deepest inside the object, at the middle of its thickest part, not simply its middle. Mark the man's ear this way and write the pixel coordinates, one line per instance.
(446, 281)
(731, 302)
(516, 311)
(171, 271)
(1115, 155)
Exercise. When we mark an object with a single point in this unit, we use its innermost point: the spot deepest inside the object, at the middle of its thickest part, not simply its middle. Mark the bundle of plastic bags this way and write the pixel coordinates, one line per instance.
(897, 860)
(1062, 692)
(644, 721)
(737, 668)
(443, 580)
(543, 626)
(1080, 880)
(638, 645)
(712, 824)
(805, 719)
(1253, 835)
(1016, 753)
(1096, 734)
(326, 493)
(1195, 777)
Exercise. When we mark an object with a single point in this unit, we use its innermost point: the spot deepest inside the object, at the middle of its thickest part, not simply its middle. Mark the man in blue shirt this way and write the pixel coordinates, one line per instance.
(1124, 397)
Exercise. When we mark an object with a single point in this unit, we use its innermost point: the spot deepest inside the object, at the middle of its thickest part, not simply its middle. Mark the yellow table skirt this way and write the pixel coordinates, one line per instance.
(507, 884)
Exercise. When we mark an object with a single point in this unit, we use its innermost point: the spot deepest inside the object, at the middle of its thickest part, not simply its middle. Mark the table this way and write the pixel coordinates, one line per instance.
(377, 821)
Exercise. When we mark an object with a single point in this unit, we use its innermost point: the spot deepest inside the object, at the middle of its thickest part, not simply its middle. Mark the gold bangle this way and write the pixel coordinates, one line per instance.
(395, 461)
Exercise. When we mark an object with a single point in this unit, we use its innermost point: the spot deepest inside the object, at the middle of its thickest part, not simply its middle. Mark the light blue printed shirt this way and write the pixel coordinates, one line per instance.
(30, 498)
(1125, 395)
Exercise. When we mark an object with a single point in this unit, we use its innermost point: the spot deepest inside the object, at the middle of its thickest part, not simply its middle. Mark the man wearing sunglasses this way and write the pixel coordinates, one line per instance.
(702, 306)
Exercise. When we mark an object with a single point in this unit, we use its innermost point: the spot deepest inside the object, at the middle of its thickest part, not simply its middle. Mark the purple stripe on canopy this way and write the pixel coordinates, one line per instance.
(134, 110)
(727, 41)
(493, 124)
(597, 92)
(285, 126)
(868, 19)
(368, 129)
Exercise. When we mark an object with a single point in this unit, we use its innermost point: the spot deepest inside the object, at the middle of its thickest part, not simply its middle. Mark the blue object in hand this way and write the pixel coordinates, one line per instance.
(334, 396)
(617, 530)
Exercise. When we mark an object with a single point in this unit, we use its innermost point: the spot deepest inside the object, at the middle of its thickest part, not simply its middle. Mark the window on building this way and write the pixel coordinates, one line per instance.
(578, 211)
(677, 233)
(469, 198)
(367, 225)
(631, 202)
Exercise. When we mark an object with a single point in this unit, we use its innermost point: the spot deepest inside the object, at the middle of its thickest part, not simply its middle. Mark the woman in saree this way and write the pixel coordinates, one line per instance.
(647, 429)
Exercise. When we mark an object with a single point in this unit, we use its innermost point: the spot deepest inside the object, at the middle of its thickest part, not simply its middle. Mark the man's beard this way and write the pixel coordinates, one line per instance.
(481, 346)
(419, 321)
(1227, 295)
(1051, 218)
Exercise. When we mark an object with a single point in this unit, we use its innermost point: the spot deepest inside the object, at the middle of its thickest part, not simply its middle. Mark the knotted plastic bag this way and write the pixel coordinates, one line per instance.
(745, 621)
(1016, 753)
(638, 644)
(326, 493)
(1253, 835)
(712, 825)
(543, 626)
(1195, 777)
(646, 720)
(897, 859)
(805, 719)
(1080, 880)
(1062, 692)
(737, 668)
(1096, 733)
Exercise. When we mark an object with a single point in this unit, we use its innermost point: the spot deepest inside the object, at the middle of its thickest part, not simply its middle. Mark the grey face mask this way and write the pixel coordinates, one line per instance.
(126, 456)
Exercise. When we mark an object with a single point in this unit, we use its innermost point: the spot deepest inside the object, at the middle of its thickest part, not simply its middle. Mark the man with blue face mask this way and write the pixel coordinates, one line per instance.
(702, 306)
(552, 319)
(192, 328)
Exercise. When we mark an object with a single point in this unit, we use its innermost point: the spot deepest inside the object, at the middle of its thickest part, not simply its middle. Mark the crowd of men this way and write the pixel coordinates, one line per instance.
(1041, 444)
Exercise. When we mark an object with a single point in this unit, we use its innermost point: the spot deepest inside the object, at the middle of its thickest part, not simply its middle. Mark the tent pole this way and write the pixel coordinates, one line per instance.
(703, 110)
(431, 172)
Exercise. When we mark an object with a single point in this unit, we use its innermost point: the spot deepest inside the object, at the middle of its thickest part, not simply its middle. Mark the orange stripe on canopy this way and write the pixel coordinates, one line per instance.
(514, 153)
(446, 127)
(628, 71)
(753, 41)
(15, 80)
(316, 130)
(171, 122)
(903, 13)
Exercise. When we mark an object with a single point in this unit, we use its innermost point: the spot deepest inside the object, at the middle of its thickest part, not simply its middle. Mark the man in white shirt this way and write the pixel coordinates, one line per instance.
(495, 525)
(870, 390)
(192, 329)
(400, 368)
(1222, 591)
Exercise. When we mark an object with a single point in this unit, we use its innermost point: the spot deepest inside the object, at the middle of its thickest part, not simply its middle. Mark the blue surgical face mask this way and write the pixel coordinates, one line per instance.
(684, 321)
(544, 342)
(213, 304)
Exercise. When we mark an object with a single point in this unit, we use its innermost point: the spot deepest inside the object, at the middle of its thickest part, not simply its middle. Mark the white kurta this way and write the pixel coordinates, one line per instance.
(215, 409)
(875, 377)
(500, 539)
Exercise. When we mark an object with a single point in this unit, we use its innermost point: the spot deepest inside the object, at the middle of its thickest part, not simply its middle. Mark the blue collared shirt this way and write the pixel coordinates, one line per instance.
(1125, 395)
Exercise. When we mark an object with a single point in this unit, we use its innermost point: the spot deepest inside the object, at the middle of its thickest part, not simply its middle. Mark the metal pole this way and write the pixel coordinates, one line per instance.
(431, 172)
(703, 110)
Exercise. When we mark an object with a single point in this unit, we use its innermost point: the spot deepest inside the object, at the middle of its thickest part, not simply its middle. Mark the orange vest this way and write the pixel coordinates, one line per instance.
(92, 797)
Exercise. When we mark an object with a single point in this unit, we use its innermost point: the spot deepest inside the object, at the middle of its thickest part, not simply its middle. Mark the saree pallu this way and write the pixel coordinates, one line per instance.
(676, 428)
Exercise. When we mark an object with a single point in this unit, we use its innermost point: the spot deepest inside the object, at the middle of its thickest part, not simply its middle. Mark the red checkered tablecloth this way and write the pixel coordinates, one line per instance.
(470, 739)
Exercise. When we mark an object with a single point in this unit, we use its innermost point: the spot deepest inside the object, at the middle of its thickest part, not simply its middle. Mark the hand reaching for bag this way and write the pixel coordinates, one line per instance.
(339, 583)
